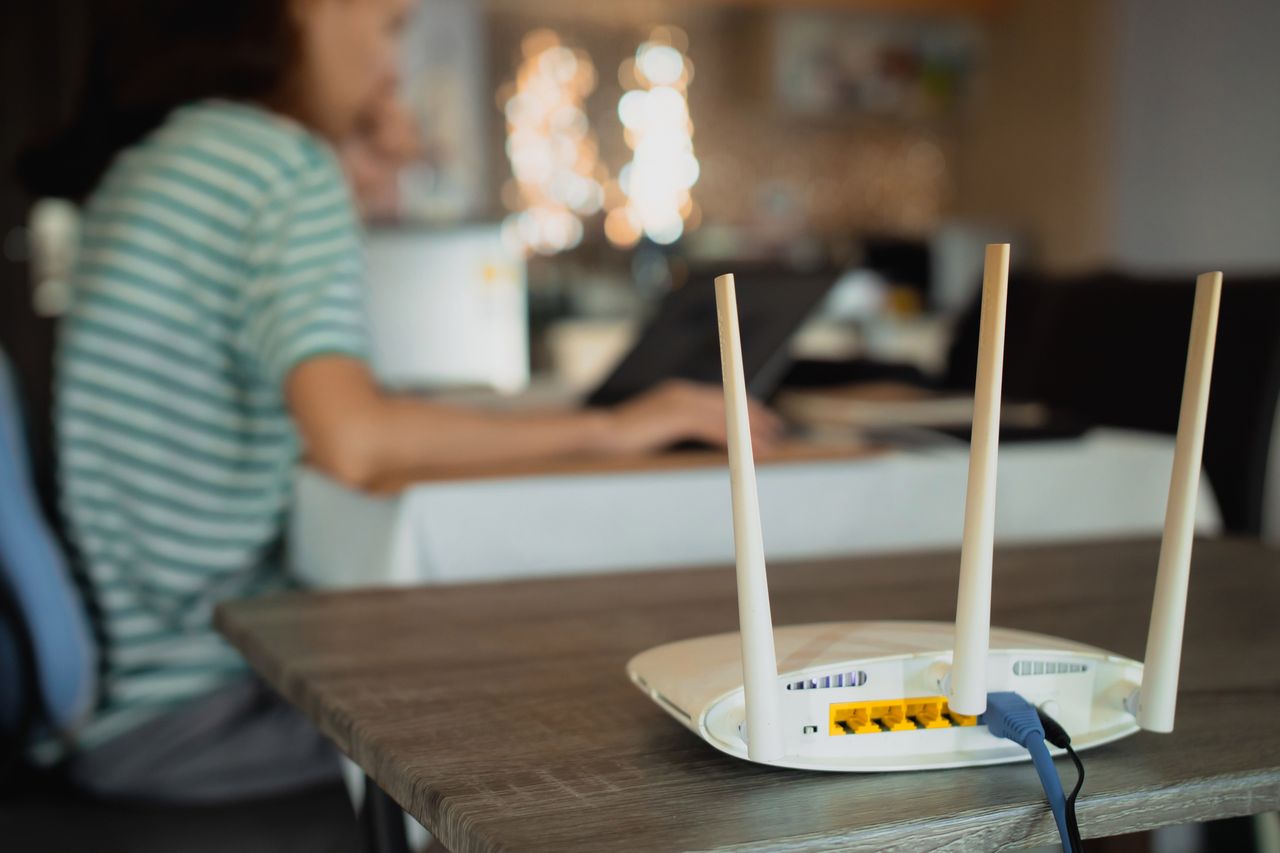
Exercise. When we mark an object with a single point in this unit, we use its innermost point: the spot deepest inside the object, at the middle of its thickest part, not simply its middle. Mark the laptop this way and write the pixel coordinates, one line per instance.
(681, 340)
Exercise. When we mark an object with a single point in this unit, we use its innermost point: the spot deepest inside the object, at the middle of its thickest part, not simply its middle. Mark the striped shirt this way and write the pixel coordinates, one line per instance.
(215, 255)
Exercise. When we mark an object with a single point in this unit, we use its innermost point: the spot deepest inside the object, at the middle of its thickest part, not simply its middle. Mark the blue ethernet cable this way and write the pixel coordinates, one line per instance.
(1010, 716)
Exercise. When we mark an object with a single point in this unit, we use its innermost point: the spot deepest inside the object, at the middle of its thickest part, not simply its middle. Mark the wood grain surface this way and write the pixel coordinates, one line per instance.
(500, 716)
(789, 451)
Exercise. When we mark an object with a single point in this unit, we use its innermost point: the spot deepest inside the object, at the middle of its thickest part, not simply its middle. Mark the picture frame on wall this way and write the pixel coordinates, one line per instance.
(445, 87)
(829, 64)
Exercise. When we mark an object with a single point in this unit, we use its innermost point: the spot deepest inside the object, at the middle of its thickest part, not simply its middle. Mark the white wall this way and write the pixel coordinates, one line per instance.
(1197, 162)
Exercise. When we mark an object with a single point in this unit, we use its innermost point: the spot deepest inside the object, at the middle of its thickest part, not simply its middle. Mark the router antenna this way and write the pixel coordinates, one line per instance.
(755, 623)
(1158, 698)
(968, 691)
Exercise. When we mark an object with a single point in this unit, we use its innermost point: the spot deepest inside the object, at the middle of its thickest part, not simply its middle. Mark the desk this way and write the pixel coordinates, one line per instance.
(499, 715)
(666, 511)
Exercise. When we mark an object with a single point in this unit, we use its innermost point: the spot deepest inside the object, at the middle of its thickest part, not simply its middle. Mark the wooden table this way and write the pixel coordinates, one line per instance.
(674, 460)
(500, 716)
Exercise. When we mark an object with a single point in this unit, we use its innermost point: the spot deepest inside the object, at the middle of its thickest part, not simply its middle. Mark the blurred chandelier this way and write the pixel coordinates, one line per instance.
(654, 111)
(557, 175)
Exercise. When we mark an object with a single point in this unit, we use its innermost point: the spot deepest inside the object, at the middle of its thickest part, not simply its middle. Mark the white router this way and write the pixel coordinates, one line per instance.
(888, 696)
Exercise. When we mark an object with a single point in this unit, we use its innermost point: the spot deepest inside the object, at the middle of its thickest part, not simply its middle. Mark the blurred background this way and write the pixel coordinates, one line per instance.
(579, 161)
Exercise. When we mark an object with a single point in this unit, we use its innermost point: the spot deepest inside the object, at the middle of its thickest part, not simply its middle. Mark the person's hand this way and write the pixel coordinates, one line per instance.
(682, 411)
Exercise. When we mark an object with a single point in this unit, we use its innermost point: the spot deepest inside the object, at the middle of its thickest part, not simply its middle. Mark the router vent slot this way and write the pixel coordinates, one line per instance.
(1043, 667)
(856, 678)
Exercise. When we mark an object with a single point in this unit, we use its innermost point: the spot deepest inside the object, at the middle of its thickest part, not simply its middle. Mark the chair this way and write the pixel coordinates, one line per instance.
(48, 660)
(1110, 349)
(48, 683)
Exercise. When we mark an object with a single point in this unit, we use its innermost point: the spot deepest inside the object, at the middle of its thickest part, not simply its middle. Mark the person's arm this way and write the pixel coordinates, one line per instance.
(358, 434)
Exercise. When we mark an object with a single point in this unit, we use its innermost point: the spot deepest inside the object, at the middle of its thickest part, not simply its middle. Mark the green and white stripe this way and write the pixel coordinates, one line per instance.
(216, 255)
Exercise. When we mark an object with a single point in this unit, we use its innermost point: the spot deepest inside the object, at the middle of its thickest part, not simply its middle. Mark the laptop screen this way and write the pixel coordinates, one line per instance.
(682, 340)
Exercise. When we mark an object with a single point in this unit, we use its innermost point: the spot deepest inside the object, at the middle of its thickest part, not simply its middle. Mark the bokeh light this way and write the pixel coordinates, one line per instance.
(656, 185)
(557, 174)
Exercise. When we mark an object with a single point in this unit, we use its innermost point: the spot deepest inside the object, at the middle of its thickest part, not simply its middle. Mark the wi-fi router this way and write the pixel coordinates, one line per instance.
(887, 696)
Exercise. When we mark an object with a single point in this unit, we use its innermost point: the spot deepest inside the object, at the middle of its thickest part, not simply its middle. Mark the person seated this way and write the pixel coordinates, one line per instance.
(217, 337)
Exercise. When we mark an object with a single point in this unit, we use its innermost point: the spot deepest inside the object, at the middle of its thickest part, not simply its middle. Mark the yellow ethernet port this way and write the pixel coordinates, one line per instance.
(895, 715)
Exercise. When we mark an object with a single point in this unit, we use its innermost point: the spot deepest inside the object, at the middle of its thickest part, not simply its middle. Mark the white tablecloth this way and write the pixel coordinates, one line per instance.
(1107, 484)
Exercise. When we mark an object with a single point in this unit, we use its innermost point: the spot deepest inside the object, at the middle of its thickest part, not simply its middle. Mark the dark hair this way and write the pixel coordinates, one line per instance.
(148, 57)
